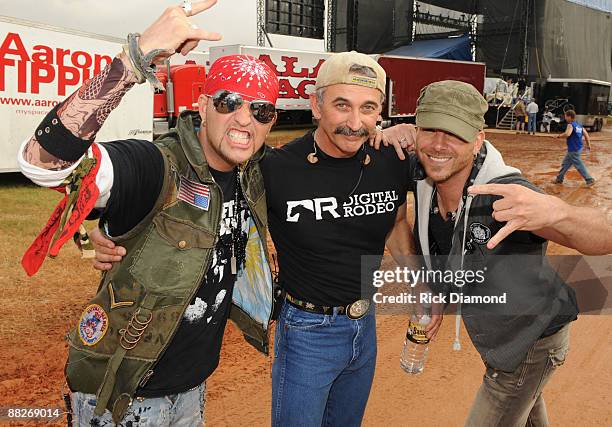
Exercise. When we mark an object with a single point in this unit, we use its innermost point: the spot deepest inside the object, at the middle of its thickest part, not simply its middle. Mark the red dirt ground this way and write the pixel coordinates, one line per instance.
(36, 313)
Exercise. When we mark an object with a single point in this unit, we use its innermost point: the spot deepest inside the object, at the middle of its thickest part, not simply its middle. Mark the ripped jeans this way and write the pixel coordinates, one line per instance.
(513, 399)
(181, 410)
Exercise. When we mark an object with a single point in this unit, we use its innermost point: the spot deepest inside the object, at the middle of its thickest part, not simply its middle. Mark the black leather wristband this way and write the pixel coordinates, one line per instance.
(58, 141)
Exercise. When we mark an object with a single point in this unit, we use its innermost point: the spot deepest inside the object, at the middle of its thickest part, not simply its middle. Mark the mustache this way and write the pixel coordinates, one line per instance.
(347, 131)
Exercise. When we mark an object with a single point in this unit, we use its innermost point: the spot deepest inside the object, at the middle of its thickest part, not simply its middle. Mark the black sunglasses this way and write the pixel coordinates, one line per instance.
(226, 102)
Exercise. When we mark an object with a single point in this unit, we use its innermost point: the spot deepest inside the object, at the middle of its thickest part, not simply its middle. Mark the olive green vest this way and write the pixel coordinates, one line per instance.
(140, 302)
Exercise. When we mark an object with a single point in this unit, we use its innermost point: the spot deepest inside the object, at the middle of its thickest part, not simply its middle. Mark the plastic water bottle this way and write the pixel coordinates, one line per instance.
(416, 346)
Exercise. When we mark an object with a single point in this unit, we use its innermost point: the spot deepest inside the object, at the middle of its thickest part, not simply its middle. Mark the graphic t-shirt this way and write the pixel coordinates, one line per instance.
(324, 217)
(193, 353)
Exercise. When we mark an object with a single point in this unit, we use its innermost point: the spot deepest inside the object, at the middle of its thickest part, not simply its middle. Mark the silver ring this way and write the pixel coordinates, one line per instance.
(403, 142)
(187, 7)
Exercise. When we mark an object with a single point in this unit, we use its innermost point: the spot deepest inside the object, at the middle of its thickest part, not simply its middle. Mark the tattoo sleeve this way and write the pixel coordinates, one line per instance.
(84, 112)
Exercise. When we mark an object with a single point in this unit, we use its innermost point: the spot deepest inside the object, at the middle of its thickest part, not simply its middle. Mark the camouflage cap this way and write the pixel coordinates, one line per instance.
(452, 106)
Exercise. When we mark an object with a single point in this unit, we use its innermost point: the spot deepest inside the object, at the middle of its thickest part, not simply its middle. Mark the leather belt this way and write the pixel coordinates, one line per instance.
(355, 310)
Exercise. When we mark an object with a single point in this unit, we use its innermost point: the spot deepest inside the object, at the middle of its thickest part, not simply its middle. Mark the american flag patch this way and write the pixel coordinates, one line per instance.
(194, 193)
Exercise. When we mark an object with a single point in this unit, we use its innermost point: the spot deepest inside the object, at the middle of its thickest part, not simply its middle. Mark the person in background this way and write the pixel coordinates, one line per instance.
(519, 112)
(546, 120)
(532, 112)
(574, 133)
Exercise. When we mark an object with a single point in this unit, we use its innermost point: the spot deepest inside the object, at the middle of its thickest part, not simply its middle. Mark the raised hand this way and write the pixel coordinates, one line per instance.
(520, 208)
(174, 32)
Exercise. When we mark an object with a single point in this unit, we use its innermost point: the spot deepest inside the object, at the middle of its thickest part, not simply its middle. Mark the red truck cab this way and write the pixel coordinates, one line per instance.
(183, 89)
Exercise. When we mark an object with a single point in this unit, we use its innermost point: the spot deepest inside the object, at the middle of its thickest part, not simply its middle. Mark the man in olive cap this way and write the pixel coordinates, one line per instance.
(459, 225)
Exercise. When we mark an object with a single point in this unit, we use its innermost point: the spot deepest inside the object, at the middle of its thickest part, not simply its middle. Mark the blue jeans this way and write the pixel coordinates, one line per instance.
(531, 124)
(323, 368)
(178, 410)
(572, 158)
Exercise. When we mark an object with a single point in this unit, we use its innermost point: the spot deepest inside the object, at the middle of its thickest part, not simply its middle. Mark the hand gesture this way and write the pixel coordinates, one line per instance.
(520, 208)
(173, 31)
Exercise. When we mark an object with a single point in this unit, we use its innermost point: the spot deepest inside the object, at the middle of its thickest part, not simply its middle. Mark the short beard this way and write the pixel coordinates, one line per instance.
(454, 172)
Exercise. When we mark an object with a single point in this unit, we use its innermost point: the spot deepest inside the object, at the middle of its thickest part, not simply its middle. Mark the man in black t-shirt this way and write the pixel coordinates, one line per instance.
(331, 201)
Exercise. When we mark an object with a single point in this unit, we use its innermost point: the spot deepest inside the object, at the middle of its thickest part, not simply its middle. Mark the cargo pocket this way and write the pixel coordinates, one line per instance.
(172, 257)
(84, 370)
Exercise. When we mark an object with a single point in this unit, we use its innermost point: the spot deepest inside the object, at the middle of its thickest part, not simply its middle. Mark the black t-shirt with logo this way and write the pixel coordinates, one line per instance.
(324, 217)
(193, 353)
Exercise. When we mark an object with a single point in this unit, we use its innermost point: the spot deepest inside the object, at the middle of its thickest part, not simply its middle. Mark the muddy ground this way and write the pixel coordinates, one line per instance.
(36, 313)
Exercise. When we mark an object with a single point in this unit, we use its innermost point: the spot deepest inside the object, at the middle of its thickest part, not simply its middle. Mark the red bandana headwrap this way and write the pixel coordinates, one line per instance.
(242, 74)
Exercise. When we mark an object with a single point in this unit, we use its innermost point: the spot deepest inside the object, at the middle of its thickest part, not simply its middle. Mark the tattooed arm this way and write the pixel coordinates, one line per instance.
(85, 111)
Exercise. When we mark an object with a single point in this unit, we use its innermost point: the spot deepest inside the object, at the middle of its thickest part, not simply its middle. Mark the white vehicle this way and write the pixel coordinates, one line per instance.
(40, 65)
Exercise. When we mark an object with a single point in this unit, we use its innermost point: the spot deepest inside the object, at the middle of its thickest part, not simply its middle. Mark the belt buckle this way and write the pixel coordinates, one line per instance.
(357, 309)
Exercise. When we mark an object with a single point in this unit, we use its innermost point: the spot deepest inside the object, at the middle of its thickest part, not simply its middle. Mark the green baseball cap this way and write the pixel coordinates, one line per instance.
(452, 106)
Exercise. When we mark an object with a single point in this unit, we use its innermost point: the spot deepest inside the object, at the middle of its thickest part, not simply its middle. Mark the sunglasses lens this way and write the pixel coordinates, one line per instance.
(263, 111)
(226, 102)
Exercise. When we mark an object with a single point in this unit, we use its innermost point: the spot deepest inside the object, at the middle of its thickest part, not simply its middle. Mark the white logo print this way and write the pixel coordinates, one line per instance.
(219, 299)
(480, 233)
(318, 206)
(195, 311)
(380, 202)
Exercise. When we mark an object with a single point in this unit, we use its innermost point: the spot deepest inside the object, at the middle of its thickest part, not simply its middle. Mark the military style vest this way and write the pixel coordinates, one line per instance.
(140, 302)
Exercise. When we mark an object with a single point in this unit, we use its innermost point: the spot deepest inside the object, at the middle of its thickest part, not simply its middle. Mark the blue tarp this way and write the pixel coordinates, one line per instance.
(605, 5)
(457, 48)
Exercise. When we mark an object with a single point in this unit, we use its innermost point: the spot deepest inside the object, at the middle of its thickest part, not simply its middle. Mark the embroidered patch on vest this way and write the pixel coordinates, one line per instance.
(480, 233)
(93, 324)
(194, 193)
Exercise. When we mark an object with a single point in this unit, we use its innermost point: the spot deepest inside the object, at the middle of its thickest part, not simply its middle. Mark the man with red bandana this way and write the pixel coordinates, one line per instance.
(190, 210)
